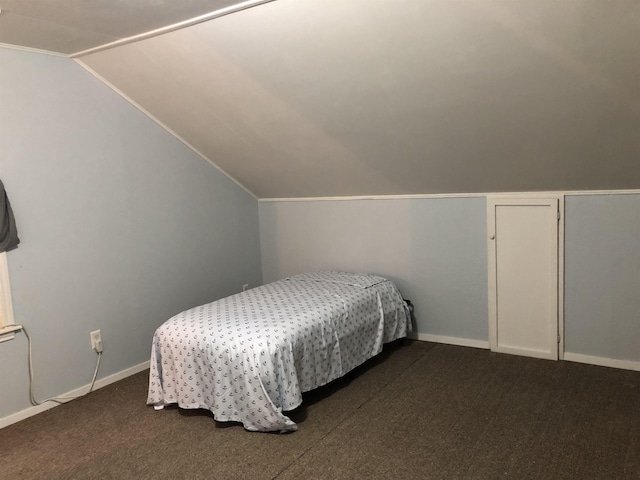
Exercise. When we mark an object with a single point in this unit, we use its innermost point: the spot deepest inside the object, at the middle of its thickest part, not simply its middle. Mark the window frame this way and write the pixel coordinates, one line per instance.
(7, 322)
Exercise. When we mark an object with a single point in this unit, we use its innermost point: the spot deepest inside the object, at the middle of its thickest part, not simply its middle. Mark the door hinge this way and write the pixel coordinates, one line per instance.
(558, 214)
(558, 338)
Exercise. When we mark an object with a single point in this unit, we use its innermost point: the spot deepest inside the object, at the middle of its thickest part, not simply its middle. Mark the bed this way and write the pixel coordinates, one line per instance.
(249, 357)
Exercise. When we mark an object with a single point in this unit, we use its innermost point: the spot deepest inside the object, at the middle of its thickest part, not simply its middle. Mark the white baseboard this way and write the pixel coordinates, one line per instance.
(462, 342)
(568, 356)
(602, 361)
(425, 337)
(103, 382)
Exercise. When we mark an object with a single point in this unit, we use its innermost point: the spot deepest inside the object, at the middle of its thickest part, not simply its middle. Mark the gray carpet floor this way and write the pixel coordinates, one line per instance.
(420, 411)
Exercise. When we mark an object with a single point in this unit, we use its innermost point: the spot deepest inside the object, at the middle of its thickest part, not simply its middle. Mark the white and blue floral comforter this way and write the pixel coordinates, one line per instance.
(249, 357)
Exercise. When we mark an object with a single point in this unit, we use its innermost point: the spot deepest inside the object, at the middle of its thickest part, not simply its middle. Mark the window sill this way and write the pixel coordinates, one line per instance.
(8, 332)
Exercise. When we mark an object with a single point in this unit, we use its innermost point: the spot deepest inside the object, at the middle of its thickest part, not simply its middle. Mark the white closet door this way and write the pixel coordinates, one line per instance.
(523, 276)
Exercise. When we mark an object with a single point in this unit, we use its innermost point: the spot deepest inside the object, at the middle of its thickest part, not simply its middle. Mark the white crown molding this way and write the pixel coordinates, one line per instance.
(372, 197)
(566, 193)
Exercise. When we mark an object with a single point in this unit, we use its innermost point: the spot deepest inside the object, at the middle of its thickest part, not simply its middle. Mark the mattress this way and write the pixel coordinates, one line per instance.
(249, 357)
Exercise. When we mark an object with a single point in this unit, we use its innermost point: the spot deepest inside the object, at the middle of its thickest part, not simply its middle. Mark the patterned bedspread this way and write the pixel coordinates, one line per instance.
(249, 357)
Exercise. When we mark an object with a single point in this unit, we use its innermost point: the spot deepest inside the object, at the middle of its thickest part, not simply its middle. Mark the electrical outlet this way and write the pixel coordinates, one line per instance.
(245, 287)
(96, 341)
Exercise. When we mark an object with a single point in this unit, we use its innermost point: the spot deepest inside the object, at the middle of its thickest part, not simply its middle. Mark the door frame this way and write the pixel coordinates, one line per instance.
(491, 260)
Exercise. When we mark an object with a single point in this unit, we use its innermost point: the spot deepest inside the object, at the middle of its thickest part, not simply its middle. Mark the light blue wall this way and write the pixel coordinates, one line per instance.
(602, 276)
(121, 225)
(434, 249)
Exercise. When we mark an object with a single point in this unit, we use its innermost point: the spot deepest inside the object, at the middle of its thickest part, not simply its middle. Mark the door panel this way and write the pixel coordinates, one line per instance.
(523, 276)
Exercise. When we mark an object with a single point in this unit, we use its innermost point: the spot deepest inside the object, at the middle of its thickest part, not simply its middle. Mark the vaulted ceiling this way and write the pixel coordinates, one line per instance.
(304, 98)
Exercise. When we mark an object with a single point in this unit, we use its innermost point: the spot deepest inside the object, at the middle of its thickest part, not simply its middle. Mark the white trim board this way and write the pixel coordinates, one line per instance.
(33, 50)
(103, 382)
(602, 361)
(569, 357)
(461, 342)
(345, 198)
(374, 197)
(173, 27)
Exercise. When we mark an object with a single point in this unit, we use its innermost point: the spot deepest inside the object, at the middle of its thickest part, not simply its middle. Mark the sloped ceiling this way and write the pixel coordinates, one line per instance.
(305, 98)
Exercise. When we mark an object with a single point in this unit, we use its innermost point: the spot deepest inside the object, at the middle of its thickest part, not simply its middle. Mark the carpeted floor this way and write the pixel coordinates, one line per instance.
(421, 411)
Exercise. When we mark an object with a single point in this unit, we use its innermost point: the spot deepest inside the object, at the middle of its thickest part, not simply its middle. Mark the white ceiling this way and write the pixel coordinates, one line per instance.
(303, 98)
